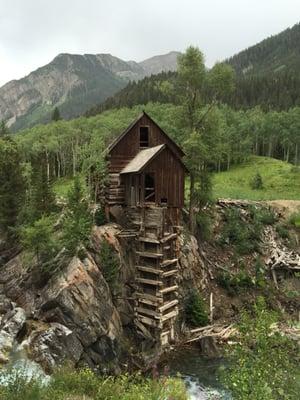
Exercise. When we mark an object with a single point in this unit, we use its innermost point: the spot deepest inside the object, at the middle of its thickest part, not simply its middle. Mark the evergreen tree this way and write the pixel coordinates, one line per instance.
(56, 114)
(38, 239)
(78, 221)
(3, 128)
(12, 187)
(41, 200)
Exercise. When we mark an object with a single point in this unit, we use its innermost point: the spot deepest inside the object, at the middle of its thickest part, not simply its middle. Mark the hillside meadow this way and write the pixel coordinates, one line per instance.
(281, 180)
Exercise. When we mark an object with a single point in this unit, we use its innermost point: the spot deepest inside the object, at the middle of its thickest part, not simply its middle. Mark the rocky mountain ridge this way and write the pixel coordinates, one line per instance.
(74, 83)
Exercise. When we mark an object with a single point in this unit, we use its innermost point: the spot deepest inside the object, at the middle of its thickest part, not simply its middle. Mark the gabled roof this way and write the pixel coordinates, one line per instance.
(117, 140)
(139, 162)
(143, 158)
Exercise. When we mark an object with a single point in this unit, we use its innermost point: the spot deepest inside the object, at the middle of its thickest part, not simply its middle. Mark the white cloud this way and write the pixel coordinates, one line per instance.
(32, 32)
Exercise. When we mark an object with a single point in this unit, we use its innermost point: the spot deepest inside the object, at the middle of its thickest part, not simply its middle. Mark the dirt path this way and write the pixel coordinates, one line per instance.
(286, 207)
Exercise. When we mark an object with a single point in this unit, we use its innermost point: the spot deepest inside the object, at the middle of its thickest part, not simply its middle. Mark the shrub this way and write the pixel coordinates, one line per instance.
(38, 239)
(243, 236)
(234, 283)
(259, 273)
(109, 262)
(295, 219)
(195, 312)
(282, 231)
(263, 215)
(258, 348)
(256, 182)
(100, 217)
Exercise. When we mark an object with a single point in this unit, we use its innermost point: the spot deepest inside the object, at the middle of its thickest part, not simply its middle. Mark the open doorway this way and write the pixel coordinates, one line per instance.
(150, 188)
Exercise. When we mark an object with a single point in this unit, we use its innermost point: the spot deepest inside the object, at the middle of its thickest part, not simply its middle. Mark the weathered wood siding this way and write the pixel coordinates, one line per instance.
(169, 172)
(129, 145)
(169, 178)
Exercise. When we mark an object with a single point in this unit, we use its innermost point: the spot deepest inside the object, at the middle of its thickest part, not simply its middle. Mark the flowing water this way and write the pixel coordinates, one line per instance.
(200, 374)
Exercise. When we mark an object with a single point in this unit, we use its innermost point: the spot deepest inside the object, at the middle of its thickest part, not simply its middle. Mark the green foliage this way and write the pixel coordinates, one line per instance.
(3, 128)
(42, 198)
(235, 283)
(283, 231)
(109, 262)
(258, 351)
(12, 187)
(195, 310)
(85, 384)
(263, 215)
(244, 236)
(77, 222)
(279, 181)
(38, 239)
(260, 273)
(100, 217)
(55, 115)
(294, 219)
(256, 182)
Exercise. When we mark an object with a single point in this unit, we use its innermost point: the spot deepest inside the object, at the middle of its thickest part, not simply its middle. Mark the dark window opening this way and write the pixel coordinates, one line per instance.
(164, 200)
(149, 188)
(144, 136)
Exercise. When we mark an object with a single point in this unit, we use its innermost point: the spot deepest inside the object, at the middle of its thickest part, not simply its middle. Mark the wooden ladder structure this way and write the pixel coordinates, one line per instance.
(155, 298)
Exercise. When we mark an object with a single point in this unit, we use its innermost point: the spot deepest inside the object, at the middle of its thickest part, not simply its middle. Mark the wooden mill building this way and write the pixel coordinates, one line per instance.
(145, 167)
(146, 182)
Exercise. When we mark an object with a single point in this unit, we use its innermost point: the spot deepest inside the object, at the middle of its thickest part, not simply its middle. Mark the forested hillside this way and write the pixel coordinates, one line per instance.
(267, 75)
(70, 147)
(278, 53)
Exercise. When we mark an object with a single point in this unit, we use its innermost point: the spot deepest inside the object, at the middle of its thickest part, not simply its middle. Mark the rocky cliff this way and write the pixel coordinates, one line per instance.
(74, 83)
(79, 317)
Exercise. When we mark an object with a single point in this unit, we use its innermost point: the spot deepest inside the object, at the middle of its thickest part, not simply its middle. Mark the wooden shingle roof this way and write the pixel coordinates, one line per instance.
(142, 159)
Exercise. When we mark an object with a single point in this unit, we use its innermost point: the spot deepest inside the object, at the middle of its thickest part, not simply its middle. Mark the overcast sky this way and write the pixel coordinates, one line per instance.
(33, 32)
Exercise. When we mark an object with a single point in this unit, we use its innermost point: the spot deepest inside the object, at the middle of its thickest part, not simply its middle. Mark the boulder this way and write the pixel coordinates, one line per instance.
(53, 345)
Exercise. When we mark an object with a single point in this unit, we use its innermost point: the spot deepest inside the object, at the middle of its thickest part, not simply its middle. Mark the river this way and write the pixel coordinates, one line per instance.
(200, 374)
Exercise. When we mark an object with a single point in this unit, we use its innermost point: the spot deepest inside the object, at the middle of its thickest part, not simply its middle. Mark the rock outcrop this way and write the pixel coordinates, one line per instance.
(72, 317)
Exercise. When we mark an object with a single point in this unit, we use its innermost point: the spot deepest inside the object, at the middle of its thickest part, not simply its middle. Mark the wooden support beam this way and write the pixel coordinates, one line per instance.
(149, 269)
(148, 321)
(168, 289)
(149, 282)
(169, 273)
(171, 314)
(171, 236)
(147, 296)
(149, 255)
(151, 313)
(168, 305)
(149, 240)
(166, 263)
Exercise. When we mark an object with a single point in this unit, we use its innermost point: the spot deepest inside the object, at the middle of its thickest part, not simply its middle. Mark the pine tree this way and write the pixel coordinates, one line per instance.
(12, 187)
(78, 221)
(3, 128)
(42, 202)
(56, 114)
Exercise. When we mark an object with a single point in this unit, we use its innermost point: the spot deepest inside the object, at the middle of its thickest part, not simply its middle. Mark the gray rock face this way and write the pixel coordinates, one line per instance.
(90, 78)
(53, 344)
(72, 317)
(12, 320)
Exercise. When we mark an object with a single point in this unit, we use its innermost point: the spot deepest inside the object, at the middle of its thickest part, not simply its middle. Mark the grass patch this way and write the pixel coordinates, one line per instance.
(280, 180)
(86, 385)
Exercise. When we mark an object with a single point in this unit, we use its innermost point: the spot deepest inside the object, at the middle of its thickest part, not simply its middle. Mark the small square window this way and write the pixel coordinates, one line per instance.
(144, 136)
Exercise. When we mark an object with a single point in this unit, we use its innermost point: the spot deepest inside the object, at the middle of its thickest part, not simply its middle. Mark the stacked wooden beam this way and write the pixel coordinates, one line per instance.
(156, 303)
